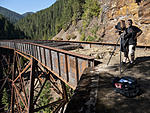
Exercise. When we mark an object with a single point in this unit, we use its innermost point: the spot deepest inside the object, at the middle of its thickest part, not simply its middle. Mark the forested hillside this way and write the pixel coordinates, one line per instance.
(8, 30)
(10, 15)
(27, 13)
(47, 23)
(87, 20)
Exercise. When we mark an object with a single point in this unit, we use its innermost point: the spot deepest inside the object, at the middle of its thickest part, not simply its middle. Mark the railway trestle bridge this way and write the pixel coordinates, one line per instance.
(26, 66)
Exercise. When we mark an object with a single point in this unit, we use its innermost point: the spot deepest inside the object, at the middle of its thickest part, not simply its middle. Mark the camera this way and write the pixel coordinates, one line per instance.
(119, 28)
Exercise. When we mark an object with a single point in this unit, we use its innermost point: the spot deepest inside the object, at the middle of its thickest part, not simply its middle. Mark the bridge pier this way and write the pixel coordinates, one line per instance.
(31, 90)
(14, 65)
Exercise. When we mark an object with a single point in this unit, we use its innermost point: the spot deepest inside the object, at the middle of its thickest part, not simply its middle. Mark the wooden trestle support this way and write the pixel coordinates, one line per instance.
(27, 79)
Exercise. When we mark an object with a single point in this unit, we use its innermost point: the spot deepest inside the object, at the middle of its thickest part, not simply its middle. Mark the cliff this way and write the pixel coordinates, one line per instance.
(102, 28)
(115, 10)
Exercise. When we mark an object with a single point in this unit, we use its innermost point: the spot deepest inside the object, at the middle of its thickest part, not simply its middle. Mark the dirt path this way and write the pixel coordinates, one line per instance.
(108, 100)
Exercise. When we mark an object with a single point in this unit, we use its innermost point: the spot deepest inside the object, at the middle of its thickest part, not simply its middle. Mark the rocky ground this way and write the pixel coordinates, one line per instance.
(109, 101)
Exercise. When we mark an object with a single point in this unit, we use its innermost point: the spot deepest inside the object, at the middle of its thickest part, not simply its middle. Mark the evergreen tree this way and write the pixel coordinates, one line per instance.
(5, 100)
(46, 97)
(47, 23)
(8, 30)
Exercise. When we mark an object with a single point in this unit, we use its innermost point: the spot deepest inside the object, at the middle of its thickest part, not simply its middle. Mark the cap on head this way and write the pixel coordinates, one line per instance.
(130, 20)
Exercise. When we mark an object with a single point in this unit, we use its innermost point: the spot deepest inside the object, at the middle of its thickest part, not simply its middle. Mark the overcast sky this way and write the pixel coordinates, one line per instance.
(23, 6)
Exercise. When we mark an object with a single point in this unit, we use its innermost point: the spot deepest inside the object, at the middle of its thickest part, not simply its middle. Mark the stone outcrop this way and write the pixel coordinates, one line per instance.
(111, 12)
(115, 10)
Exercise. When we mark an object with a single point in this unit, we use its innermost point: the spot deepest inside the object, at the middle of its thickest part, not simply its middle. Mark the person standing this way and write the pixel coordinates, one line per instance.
(132, 33)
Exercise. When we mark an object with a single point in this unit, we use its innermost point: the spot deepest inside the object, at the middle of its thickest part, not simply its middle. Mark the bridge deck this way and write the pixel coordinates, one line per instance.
(66, 65)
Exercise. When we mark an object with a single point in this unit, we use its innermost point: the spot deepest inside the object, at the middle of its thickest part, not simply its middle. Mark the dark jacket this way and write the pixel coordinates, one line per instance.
(131, 33)
(124, 41)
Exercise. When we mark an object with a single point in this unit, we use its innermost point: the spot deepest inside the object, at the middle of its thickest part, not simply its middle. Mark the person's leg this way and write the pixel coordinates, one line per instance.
(132, 53)
(126, 55)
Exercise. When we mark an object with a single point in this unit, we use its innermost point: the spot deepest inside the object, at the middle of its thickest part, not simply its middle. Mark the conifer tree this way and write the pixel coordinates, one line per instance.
(5, 100)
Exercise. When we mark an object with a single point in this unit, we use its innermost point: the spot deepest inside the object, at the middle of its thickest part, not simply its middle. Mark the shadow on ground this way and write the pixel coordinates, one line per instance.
(140, 68)
(111, 102)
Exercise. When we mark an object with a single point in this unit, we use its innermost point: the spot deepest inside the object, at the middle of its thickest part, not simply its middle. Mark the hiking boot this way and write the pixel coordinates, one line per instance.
(131, 62)
(123, 63)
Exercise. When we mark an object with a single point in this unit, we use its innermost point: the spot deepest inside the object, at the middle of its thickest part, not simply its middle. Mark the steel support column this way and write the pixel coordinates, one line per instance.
(31, 90)
(14, 66)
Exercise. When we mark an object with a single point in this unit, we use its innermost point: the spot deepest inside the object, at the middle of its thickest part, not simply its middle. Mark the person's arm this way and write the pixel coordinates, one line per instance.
(139, 32)
(128, 35)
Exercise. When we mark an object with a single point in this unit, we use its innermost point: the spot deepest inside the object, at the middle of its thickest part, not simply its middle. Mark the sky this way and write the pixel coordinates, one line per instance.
(23, 6)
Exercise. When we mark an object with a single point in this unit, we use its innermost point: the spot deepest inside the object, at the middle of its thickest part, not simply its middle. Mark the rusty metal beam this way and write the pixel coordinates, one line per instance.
(13, 77)
(39, 92)
(50, 104)
(66, 67)
(52, 80)
(31, 90)
(18, 105)
(23, 55)
(22, 71)
(20, 96)
(23, 89)
(52, 72)
(58, 108)
(77, 69)
(3, 84)
(65, 95)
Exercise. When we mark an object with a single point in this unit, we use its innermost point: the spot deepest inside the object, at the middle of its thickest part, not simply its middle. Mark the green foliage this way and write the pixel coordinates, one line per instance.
(85, 24)
(5, 100)
(94, 29)
(77, 10)
(70, 36)
(90, 38)
(70, 92)
(8, 31)
(13, 17)
(46, 97)
(91, 8)
(48, 22)
(82, 37)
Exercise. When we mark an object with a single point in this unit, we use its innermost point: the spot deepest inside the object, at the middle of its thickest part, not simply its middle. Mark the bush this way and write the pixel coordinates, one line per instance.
(82, 38)
(71, 36)
(90, 38)
(58, 38)
(5, 99)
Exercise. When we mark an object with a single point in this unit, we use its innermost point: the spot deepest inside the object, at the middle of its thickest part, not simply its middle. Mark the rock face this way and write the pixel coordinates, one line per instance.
(115, 10)
(111, 12)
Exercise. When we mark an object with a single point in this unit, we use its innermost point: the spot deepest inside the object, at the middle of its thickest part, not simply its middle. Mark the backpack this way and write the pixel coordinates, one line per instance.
(127, 86)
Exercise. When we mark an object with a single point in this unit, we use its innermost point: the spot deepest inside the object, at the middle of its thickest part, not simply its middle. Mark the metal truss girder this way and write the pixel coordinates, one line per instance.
(19, 92)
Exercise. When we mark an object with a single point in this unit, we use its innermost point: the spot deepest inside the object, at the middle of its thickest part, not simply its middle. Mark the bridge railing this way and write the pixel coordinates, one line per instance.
(67, 66)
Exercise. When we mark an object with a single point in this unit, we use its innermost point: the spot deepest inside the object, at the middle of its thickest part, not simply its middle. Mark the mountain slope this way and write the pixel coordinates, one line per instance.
(27, 13)
(8, 30)
(47, 23)
(102, 28)
(10, 15)
(87, 20)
